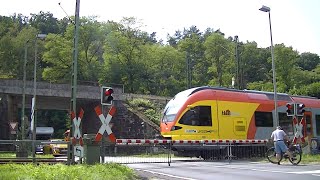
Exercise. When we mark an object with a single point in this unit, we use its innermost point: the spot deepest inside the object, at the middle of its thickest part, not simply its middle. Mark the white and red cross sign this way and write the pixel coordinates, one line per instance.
(76, 134)
(105, 123)
(298, 127)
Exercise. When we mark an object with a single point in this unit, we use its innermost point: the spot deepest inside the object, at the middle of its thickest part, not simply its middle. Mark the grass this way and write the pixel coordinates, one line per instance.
(309, 158)
(110, 171)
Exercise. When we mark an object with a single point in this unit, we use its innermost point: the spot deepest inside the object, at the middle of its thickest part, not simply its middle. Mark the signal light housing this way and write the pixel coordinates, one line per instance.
(290, 109)
(106, 95)
(300, 109)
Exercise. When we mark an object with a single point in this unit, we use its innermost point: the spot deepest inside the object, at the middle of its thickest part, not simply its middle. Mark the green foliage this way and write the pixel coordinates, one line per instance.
(122, 53)
(310, 158)
(151, 110)
(64, 172)
(260, 86)
(153, 115)
(141, 103)
(307, 61)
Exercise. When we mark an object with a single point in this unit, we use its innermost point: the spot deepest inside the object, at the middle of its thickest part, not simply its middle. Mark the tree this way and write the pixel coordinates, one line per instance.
(254, 66)
(123, 54)
(58, 55)
(221, 64)
(12, 48)
(308, 61)
(196, 65)
(285, 60)
(165, 73)
(45, 23)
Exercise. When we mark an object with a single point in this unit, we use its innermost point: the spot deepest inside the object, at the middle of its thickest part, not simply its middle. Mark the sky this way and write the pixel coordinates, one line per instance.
(294, 23)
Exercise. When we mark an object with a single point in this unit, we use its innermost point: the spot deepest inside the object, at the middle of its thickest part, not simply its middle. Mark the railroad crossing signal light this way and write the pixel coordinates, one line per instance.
(106, 95)
(290, 109)
(300, 109)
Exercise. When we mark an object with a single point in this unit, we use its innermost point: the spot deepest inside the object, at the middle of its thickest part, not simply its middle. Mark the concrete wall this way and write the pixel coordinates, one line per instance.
(126, 124)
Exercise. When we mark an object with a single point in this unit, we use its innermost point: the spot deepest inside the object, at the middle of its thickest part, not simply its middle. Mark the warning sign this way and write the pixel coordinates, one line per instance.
(13, 125)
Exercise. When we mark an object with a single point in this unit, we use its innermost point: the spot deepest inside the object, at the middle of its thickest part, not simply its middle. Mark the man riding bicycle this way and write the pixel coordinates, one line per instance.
(278, 137)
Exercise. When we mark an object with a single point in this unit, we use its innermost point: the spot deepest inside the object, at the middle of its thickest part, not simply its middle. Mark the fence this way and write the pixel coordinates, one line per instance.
(29, 151)
(127, 151)
(168, 151)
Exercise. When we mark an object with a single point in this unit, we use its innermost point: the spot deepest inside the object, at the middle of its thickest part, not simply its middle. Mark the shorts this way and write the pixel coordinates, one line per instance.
(280, 147)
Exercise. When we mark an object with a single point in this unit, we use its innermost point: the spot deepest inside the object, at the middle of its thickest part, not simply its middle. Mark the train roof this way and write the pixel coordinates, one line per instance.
(269, 95)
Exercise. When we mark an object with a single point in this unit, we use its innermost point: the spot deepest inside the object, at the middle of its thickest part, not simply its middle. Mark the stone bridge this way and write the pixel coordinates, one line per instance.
(58, 97)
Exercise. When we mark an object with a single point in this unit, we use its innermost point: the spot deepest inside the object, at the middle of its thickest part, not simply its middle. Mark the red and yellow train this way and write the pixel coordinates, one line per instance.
(208, 113)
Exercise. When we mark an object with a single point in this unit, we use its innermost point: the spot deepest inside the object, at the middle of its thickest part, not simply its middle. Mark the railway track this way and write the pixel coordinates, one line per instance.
(30, 160)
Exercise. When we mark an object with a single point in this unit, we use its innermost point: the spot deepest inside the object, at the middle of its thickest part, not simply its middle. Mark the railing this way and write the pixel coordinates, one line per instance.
(28, 151)
(127, 151)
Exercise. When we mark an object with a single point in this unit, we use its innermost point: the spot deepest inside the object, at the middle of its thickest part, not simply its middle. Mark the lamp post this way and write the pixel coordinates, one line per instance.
(34, 116)
(267, 9)
(24, 91)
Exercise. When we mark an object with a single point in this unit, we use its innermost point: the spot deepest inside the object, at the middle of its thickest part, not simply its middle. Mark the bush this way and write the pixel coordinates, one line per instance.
(148, 108)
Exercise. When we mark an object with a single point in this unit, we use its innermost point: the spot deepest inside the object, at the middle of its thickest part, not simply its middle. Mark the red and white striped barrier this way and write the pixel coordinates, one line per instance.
(163, 141)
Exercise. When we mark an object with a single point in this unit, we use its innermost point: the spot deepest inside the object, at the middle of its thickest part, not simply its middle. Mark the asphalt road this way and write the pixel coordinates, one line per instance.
(195, 170)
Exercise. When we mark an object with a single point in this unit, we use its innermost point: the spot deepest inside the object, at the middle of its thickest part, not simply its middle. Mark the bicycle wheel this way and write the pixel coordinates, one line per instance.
(296, 154)
(271, 156)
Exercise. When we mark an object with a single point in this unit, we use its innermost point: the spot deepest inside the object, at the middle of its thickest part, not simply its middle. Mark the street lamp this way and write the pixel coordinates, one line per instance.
(33, 113)
(267, 9)
(24, 90)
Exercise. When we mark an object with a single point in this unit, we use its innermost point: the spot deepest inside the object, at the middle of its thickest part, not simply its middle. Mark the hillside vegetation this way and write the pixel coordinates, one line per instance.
(122, 53)
(150, 109)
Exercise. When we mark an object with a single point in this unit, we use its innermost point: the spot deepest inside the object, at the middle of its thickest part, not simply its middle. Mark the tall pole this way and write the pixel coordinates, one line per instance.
(274, 76)
(34, 90)
(275, 116)
(24, 91)
(237, 60)
(189, 71)
(74, 75)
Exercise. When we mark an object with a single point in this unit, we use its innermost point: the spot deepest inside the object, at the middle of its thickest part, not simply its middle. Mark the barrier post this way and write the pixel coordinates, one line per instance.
(169, 154)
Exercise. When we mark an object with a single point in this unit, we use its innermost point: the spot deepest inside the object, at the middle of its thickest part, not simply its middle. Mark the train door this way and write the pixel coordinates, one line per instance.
(200, 122)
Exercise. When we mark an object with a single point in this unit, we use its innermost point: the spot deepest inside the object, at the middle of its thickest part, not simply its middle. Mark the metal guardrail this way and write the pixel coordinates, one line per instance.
(127, 151)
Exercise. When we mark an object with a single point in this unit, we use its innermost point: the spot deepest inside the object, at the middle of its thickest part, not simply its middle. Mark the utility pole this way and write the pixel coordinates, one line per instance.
(24, 91)
(73, 107)
(189, 69)
(237, 61)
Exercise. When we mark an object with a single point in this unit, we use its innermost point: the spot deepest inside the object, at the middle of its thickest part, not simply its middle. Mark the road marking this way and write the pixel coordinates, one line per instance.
(164, 174)
(307, 172)
(313, 172)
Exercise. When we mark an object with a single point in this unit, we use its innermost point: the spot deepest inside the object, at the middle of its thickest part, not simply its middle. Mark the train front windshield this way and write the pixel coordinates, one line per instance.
(174, 105)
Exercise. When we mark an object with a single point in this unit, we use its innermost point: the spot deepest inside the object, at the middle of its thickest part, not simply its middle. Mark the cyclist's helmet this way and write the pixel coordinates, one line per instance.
(279, 127)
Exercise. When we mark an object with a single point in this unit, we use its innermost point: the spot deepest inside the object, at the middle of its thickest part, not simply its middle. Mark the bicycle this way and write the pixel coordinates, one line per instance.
(295, 150)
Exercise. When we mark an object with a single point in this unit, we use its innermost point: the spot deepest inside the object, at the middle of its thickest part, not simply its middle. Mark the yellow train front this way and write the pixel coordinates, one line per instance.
(209, 113)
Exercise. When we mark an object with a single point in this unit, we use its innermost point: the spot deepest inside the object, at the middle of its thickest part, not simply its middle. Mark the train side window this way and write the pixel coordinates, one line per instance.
(263, 119)
(197, 116)
(318, 125)
(309, 125)
(286, 123)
